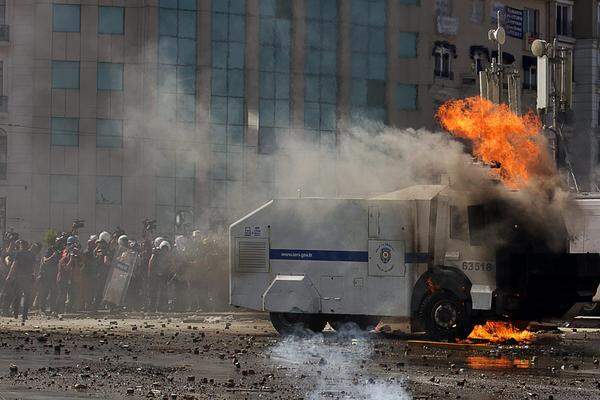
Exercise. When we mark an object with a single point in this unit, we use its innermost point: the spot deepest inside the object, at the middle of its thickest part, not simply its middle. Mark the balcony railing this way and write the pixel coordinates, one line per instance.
(4, 33)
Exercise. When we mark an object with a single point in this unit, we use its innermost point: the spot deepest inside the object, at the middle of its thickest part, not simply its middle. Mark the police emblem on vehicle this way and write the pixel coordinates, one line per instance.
(385, 252)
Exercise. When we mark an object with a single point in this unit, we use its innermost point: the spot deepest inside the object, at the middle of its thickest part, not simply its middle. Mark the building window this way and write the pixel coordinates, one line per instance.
(65, 131)
(477, 11)
(409, 2)
(108, 189)
(564, 15)
(274, 66)
(177, 60)
(111, 20)
(529, 73)
(110, 76)
(407, 44)
(443, 54)
(64, 189)
(2, 12)
(369, 59)
(66, 18)
(531, 18)
(3, 154)
(320, 72)
(65, 74)
(109, 133)
(406, 97)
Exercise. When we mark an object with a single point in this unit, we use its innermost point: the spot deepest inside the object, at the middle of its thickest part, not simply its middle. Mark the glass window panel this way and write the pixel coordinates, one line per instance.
(165, 191)
(377, 12)
(329, 36)
(312, 115)
(167, 78)
(186, 108)
(313, 34)
(406, 97)
(218, 134)
(110, 76)
(110, 20)
(167, 50)
(167, 106)
(234, 166)
(328, 62)
(168, 3)
(65, 131)
(360, 38)
(359, 92)
(359, 65)
(328, 118)
(282, 113)
(187, 24)
(328, 89)
(311, 88)
(218, 110)
(266, 31)
(409, 2)
(219, 27)
(360, 10)
(377, 67)
(219, 82)
(165, 162)
(186, 80)
(165, 218)
(187, 4)
(237, 6)
(219, 54)
(64, 189)
(236, 83)
(65, 74)
(267, 8)
(236, 55)
(267, 58)
(109, 133)
(167, 22)
(187, 51)
(282, 32)
(184, 192)
(313, 62)
(220, 6)
(328, 9)
(375, 93)
(237, 28)
(376, 40)
(66, 18)
(282, 59)
(267, 113)
(313, 9)
(267, 85)
(108, 189)
(235, 111)
(219, 165)
(407, 44)
(236, 134)
(282, 86)
(266, 140)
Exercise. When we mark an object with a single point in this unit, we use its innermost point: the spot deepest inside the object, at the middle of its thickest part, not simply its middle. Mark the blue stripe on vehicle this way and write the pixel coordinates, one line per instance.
(318, 255)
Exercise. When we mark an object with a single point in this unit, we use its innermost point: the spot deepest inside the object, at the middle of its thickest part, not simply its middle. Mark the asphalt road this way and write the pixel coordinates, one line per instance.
(227, 356)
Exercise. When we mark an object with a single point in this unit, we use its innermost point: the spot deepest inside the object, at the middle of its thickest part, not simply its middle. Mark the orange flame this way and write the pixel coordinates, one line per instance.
(499, 332)
(500, 137)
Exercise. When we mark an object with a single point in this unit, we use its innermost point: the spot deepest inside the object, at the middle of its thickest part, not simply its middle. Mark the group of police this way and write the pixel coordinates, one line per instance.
(167, 275)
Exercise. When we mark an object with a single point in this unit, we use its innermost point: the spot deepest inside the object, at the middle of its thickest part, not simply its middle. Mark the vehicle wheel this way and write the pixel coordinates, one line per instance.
(297, 324)
(445, 317)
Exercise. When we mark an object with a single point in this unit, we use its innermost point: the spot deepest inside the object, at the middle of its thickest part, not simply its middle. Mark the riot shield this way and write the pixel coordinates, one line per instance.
(119, 277)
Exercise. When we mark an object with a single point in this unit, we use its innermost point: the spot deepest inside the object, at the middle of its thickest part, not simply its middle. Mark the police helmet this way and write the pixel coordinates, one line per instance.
(123, 241)
(71, 240)
(104, 236)
(164, 244)
(158, 241)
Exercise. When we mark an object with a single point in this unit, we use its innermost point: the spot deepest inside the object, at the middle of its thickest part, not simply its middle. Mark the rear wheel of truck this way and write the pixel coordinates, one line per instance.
(297, 324)
(445, 317)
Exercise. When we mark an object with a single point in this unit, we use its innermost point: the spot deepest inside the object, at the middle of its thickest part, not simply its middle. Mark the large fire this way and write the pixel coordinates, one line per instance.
(500, 138)
(501, 332)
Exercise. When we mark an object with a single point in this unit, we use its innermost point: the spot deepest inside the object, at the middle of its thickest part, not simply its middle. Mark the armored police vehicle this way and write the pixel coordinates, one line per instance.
(428, 253)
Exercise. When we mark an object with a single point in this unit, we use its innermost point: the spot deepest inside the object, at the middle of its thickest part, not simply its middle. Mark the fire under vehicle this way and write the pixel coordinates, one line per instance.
(426, 253)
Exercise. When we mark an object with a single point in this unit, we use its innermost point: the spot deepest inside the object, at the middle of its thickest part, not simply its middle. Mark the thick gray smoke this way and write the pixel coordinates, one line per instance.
(336, 367)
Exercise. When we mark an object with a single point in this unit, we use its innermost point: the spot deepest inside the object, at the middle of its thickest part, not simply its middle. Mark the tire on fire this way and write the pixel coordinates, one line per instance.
(296, 324)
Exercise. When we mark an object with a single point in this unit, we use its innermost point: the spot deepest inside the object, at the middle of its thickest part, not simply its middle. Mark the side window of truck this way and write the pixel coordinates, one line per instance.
(476, 224)
(458, 224)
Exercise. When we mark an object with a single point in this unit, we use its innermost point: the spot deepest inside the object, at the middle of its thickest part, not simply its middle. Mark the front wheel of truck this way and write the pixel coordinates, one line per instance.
(297, 324)
(445, 317)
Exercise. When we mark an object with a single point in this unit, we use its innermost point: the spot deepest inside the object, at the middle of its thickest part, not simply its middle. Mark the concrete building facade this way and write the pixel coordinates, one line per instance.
(118, 110)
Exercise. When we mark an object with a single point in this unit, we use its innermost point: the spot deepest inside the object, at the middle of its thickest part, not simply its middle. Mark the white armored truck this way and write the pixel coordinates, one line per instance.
(427, 253)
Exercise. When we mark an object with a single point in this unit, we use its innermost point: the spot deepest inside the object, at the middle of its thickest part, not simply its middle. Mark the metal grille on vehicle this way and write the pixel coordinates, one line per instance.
(252, 256)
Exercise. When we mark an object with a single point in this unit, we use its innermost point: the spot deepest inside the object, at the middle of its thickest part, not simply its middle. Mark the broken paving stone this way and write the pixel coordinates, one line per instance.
(80, 387)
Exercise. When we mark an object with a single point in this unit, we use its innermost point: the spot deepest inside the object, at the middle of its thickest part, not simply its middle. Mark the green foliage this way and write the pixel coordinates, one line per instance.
(49, 237)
